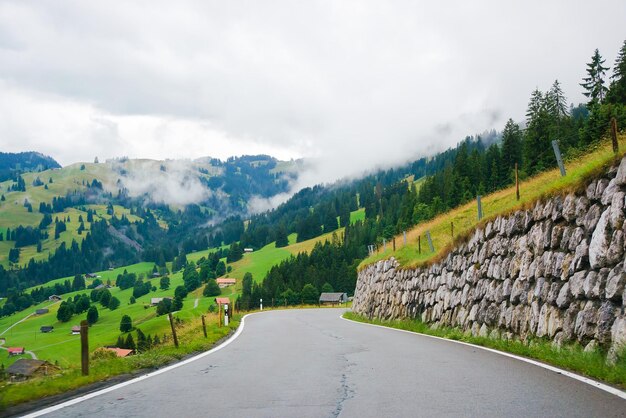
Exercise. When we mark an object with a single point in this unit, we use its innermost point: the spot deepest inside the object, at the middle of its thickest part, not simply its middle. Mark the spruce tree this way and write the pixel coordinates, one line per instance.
(92, 315)
(593, 84)
(617, 91)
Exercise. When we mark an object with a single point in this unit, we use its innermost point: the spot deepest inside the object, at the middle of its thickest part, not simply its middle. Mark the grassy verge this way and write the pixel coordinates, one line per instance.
(464, 218)
(191, 341)
(570, 357)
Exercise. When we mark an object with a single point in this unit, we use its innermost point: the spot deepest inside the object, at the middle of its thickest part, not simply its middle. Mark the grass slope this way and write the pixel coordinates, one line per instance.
(464, 218)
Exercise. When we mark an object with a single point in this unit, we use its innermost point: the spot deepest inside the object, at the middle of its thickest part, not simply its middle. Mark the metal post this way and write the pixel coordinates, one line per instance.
(204, 327)
(614, 135)
(404, 236)
(226, 315)
(559, 159)
(84, 347)
(384, 245)
(173, 329)
(430, 242)
(516, 182)
(261, 304)
(480, 207)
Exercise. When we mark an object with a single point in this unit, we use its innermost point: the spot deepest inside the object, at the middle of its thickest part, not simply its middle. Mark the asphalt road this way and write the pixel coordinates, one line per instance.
(311, 363)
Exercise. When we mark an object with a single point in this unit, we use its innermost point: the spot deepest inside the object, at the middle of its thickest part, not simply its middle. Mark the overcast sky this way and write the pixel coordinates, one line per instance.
(350, 84)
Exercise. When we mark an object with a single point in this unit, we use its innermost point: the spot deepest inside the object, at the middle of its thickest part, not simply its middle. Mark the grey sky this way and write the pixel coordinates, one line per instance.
(349, 84)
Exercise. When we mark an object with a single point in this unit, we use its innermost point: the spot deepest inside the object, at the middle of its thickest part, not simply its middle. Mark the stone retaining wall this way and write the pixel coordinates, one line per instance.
(556, 271)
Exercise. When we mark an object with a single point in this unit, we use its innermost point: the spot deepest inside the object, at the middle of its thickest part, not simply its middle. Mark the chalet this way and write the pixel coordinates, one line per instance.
(24, 369)
(42, 311)
(333, 298)
(156, 274)
(91, 275)
(103, 286)
(222, 301)
(155, 301)
(248, 250)
(46, 328)
(76, 330)
(120, 352)
(54, 298)
(16, 351)
(226, 281)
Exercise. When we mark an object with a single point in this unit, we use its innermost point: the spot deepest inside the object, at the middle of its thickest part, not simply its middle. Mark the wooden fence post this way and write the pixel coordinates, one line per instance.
(516, 182)
(394, 243)
(204, 326)
(419, 244)
(173, 329)
(614, 135)
(452, 229)
(84, 347)
(559, 159)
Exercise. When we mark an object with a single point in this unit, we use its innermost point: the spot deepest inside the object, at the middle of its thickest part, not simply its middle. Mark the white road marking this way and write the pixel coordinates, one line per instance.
(591, 382)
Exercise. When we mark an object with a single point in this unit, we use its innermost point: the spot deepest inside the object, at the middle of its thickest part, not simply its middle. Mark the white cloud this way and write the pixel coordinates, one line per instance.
(349, 84)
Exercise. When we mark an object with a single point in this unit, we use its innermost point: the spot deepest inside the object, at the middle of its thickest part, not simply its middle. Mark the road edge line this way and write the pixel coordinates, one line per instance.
(99, 392)
(594, 383)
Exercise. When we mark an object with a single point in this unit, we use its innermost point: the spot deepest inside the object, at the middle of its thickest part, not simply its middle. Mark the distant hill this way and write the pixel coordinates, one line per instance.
(23, 162)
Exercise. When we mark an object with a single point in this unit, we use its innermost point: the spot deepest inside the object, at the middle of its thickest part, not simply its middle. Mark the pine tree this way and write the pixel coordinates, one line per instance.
(593, 84)
(511, 145)
(557, 103)
(211, 289)
(617, 91)
(92, 315)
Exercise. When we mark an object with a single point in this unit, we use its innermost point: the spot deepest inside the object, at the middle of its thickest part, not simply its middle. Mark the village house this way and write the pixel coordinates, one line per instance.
(42, 311)
(46, 328)
(120, 352)
(24, 369)
(155, 301)
(16, 351)
(54, 298)
(225, 282)
(91, 275)
(248, 250)
(76, 330)
(333, 298)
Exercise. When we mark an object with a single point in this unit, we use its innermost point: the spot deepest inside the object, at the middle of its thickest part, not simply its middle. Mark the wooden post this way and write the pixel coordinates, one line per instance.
(516, 182)
(173, 329)
(394, 243)
(430, 242)
(452, 229)
(480, 207)
(84, 347)
(404, 236)
(559, 159)
(614, 135)
(219, 315)
(204, 326)
(419, 244)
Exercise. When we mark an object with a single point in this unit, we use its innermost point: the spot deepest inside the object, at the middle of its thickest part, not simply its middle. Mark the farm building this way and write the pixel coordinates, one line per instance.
(16, 351)
(76, 330)
(248, 250)
(42, 311)
(222, 301)
(226, 281)
(46, 328)
(333, 298)
(155, 301)
(54, 298)
(91, 275)
(24, 369)
(120, 352)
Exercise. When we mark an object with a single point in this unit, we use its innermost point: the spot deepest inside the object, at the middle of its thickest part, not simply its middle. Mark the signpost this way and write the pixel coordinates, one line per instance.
(430, 242)
(559, 159)
(261, 303)
(226, 315)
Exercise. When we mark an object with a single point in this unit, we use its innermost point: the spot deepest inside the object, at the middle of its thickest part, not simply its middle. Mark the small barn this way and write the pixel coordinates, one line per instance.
(42, 311)
(46, 328)
(16, 351)
(248, 250)
(25, 368)
(333, 298)
(54, 298)
(76, 330)
(225, 282)
(120, 352)
(91, 275)
(155, 301)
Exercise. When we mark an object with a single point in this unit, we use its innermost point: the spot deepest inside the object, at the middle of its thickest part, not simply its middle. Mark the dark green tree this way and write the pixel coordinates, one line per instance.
(92, 315)
(180, 292)
(211, 289)
(309, 294)
(617, 90)
(327, 288)
(282, 239)
(164, 283)
(220, 269)
(78, 283)
(126, 324)
(114, 303)
(105, 297)
(593, 83)
(65, 312)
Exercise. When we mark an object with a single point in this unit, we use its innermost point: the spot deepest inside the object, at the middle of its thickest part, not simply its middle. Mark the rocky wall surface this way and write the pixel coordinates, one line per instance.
(555, 271)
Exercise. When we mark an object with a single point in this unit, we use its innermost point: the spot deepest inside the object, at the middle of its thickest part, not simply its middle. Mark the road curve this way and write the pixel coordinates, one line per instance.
(311, 363)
